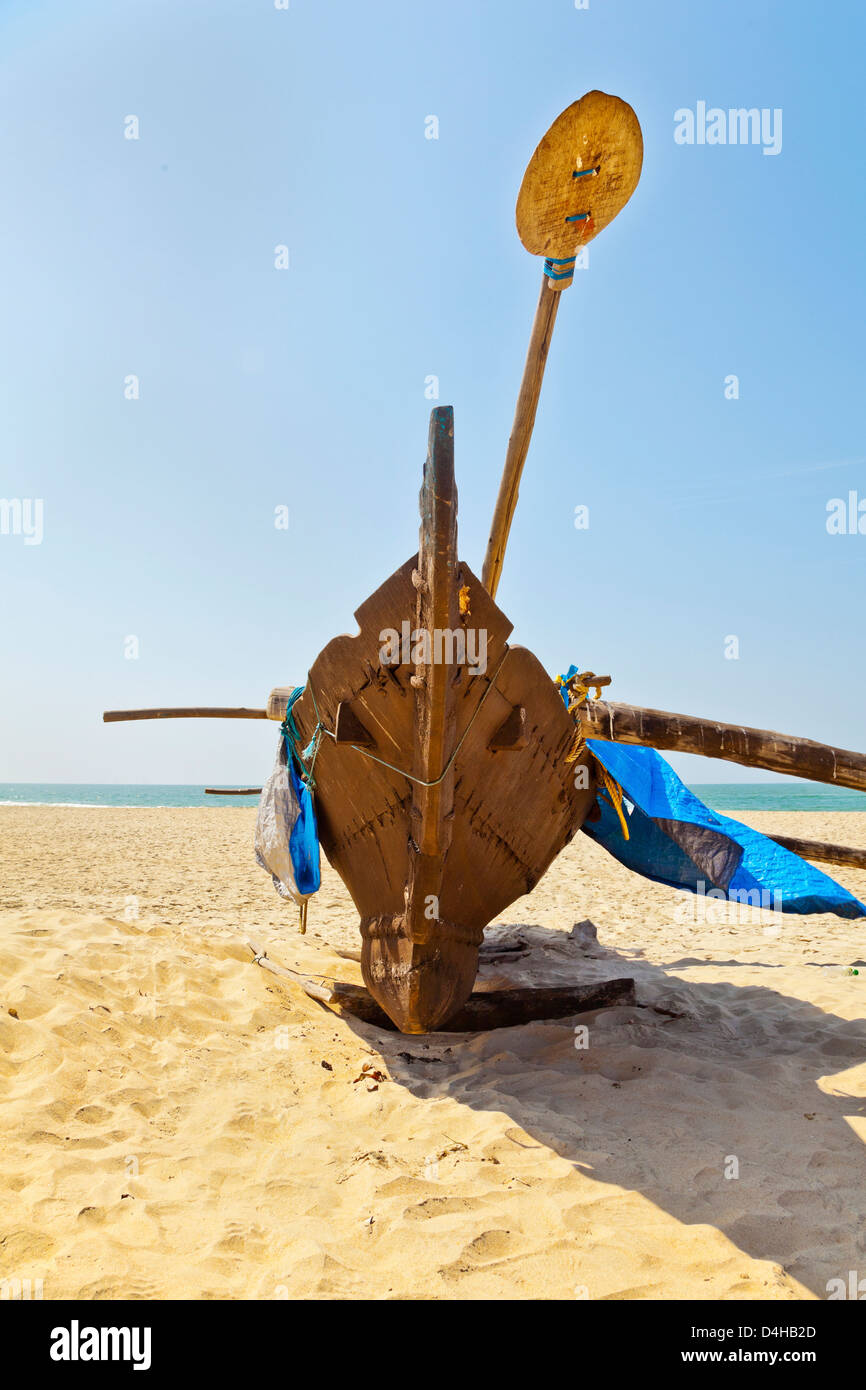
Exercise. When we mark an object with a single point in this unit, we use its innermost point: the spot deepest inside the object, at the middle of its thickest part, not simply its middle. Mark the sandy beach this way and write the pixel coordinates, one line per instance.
(179, 1123)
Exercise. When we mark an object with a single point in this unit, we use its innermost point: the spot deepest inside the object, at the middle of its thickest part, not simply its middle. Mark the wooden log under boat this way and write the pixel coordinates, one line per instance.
(486, 1009)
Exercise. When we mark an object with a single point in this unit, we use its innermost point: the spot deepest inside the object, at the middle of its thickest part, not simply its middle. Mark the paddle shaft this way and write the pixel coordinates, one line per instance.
(521, 434)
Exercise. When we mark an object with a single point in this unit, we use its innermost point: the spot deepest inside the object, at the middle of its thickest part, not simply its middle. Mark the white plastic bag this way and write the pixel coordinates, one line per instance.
(279, 811)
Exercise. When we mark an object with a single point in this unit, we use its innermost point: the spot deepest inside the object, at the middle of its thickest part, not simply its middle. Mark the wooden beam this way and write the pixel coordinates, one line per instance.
(820, 851)
(417, 964)
(436, 611)
(654, 728)
(521, 434)
(349, 729)
(278, 702)
(511, 734)
(119, 716)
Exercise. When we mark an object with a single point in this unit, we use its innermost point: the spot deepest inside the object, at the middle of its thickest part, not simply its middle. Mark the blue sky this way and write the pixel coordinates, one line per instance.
(306, 387)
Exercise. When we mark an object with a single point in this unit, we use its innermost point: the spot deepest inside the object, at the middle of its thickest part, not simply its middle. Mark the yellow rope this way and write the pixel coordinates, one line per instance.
(577, 746)
(614, 791)
(578, 692)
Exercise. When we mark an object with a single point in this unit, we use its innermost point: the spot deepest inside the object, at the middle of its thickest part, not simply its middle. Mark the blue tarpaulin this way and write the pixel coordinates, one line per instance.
(304, 841)
(675, 839)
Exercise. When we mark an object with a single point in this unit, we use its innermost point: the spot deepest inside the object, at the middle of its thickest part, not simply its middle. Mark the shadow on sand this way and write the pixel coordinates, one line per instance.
(664, 1096)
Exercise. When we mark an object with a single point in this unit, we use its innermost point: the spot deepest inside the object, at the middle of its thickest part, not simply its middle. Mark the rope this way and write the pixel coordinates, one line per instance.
(614, 791)
(584, 217)
(578, 744)
(292, 735)
(578, 692)
(399, 770)
(290, 728)
(566, 274)
(310, 754)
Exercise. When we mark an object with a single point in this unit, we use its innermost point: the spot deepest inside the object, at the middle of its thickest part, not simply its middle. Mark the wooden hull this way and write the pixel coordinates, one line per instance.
(428, 866)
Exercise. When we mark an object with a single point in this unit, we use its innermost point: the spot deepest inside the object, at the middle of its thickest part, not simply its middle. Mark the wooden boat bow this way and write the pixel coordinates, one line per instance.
(462, 797)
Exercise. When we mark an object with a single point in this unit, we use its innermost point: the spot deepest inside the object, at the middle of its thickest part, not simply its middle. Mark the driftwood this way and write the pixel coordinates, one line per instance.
(498, 1008)
(655, 728)
(820, 851)
(119, 716)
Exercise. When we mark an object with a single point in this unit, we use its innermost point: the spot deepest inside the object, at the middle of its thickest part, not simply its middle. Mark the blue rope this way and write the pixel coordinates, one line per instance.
(289, 727)
(566, 274)
(291, 733)
(583, 173)
(578, 217)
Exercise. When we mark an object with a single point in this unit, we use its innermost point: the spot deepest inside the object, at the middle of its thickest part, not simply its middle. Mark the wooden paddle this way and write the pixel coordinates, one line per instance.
(581, 175)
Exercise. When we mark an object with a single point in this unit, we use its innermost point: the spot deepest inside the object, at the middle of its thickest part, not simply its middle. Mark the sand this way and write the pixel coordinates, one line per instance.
(178, 1123)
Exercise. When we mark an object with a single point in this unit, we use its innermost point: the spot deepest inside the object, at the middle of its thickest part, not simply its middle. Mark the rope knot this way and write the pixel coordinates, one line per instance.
(578, 687)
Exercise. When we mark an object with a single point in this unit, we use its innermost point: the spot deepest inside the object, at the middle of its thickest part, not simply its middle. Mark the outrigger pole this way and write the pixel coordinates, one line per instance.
(122, 716)
(733, 743)
(619, 723)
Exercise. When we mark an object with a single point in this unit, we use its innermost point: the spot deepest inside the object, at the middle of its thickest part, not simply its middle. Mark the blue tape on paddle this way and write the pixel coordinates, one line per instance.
(566, 273)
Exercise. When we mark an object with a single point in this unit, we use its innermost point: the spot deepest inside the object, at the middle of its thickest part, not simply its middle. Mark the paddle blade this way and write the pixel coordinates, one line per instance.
(581, 175)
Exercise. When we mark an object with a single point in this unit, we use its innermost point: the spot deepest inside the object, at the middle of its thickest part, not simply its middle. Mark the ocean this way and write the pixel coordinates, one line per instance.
(113, 794)
(721, 796)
